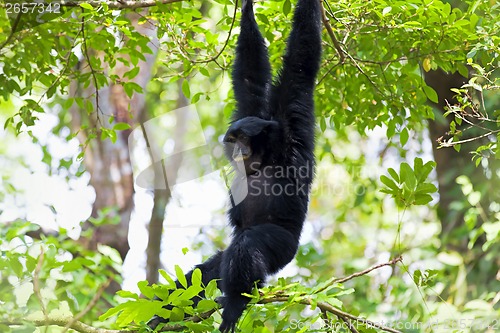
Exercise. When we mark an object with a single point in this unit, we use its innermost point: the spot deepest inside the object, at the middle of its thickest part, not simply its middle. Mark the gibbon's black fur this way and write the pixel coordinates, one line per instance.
(272, 135)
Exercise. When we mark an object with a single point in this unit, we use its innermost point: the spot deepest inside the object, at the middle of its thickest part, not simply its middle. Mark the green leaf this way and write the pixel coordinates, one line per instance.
(287, 7)
(132, 73)
(127, 294)
(121, 126)
(393, 174)
(423, 172)
(86, 6)
(111, 312)
(206, 305)
(145, 289)
(177, 314)
(180, 276)
(191, 292)
(185, 88)
(130, 87)
(431, 94)
(322, 124)
(196, 277)
(422, 199)
(8, 122)
(403, 136)
(211, 289)
(196, 97)
(16, 266)
(408, 176)
(426, 188)
(204, 71)
(388, 182)
(170, 281)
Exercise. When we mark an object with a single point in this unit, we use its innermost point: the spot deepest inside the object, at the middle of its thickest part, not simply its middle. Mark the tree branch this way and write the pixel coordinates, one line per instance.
(127, 4)
(62, 321)
(368, 270)
(36, 281)
(73, 323)
(363, 272)
(454, 143)
(12, 31)
(89, 306)
(92, 71)
(336, 43)
(84, 328)
(215, 57)
(70, 322)
(349, 325)
(323, 306)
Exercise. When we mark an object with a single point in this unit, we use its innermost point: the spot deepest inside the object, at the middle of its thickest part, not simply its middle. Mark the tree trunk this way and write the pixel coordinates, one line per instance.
(109, 163)
(162, 196)
(449, 163)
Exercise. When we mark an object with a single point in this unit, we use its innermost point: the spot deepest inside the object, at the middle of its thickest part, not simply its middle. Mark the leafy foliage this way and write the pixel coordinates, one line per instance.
(371, 81)
(410, 186)
(53, 275)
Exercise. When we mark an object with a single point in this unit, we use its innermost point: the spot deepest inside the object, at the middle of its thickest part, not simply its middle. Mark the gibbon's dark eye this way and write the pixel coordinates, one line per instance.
(229, 139)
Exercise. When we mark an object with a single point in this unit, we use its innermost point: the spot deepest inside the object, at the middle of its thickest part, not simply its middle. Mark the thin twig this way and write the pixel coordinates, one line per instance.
(349, 324)
(12, 31)
(363, 272)
(358, 67)
(334, 39)
(92, 72)
(89, 306)
(454, 143)
(323, 306)
(36, 281)
(66, 66)
(328, 72)
(368, 270)
(214, 58)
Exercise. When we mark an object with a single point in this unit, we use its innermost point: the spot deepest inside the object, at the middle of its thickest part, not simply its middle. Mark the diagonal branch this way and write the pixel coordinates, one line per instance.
(12, 31)
(89, 306)
(328, 27)
(363, 272)
(92, 71)
(368, 270)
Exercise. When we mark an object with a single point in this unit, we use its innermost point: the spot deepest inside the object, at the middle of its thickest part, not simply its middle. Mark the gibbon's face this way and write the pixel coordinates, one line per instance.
(247, 142)
(238, 148)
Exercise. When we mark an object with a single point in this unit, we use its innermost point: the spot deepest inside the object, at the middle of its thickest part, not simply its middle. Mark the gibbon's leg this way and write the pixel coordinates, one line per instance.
(254, 253)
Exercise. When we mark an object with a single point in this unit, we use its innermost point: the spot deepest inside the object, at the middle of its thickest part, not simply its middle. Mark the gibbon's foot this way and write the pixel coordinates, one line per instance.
(155, 321)
(233, 307)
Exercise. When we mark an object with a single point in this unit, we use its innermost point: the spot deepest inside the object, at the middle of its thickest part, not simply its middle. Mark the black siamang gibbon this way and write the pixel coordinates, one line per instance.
(270, 143)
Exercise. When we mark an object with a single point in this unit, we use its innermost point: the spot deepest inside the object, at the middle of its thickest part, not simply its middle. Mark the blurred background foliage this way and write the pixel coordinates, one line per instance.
(407, 148)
